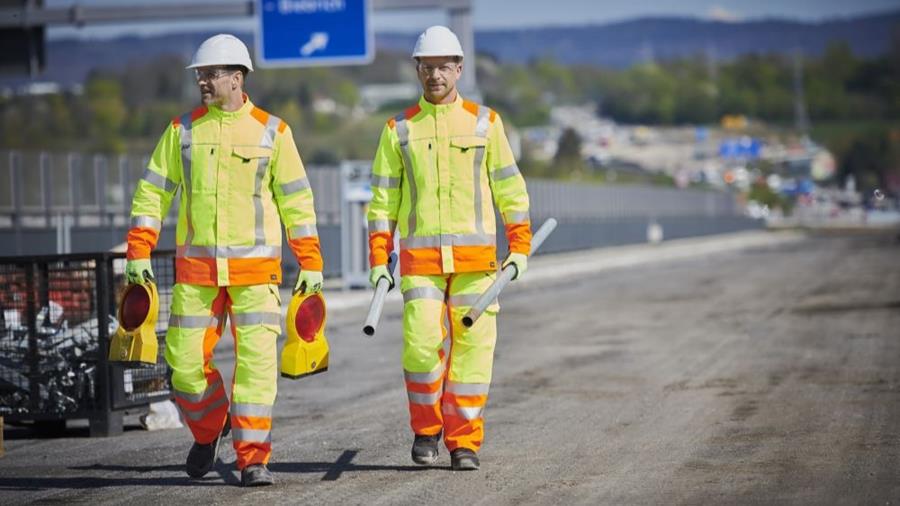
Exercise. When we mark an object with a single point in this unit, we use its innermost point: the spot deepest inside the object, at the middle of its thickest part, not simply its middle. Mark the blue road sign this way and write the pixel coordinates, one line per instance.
(297, 33)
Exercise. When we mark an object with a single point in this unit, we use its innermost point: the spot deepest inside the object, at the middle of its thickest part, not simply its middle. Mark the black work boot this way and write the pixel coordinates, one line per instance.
(464, 459)
(256, 475)
(202, 457)
(425, 449)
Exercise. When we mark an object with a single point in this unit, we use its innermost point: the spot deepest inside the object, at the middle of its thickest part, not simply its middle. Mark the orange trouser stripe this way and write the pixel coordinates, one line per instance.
(206, 417)
(251, 422)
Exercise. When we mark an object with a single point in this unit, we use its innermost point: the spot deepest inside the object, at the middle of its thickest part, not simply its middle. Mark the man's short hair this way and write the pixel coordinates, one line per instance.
(238, 68)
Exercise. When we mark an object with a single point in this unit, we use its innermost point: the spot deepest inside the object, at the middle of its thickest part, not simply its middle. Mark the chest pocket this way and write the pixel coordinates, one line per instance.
(249, 169)
(467, 156)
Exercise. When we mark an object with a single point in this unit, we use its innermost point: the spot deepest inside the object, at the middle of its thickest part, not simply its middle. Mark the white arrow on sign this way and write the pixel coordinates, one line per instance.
(317, 41)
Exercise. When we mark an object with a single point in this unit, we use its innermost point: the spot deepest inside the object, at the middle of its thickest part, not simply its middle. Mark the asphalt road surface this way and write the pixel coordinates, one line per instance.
(763, 376)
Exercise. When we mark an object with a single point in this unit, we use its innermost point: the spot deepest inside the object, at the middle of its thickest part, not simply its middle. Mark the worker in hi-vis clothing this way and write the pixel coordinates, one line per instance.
(240, 177)
(440, 168)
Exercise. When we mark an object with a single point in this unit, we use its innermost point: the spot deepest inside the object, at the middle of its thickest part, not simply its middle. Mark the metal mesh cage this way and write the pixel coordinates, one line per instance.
(56, 316)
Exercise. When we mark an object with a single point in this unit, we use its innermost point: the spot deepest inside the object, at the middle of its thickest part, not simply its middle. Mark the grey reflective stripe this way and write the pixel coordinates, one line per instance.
(469, 413)
(308, 230)
(295, 186)
(480, 130)
(257, 410)
(186, 175)
(515, 217)
(201, 413)
(228, 251)
(426, 399)
(423, 292)
(385, 181)
(251, 435)
(468, 388)
(382, 225)
(426, 378)
(505, 173)
(193, 322)
(466, 299)
(146, 221)
(159, 181)
(448, 343)
(403, 136)
(484, 121)
(267, 141)
(436, 241)
(202, 396)
(257, 200)
(258, 318)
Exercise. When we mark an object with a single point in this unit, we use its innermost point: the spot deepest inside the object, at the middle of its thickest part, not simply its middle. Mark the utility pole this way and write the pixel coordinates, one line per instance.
(801, 119)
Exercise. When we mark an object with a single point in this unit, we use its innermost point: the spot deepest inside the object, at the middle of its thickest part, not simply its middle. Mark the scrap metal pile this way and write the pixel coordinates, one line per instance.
(58, 376)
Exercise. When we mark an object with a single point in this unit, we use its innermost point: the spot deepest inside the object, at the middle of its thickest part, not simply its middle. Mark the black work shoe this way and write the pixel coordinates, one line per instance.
(202, 457)
(464, 459)
(425, 449)
(257, 475)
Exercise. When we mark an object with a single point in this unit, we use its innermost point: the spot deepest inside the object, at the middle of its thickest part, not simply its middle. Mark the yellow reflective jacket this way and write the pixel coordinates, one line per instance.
(438, 172)
(238, 172)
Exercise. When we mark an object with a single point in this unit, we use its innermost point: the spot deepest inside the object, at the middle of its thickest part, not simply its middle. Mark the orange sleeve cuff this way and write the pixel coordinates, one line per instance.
(519, 237)
(381, 244)
(308, 252)
(141, 241)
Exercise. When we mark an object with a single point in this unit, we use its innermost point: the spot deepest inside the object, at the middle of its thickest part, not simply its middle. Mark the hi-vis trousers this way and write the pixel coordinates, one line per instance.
(195, 325)
(448, 370)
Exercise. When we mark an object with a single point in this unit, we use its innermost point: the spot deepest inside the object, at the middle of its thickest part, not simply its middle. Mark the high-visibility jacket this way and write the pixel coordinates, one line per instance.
(438, 172)
(238, 172)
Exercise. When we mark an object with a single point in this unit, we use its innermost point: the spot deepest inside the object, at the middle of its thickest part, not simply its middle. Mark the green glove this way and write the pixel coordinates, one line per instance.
(139, 271)
(309, 282)
(520, 260)
(378, 272)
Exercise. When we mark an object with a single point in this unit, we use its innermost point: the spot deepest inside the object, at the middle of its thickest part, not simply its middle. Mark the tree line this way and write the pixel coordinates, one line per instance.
(126, 110)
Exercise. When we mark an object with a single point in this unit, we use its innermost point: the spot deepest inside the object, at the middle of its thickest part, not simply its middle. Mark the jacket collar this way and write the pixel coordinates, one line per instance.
(217, 111)
(430, 108)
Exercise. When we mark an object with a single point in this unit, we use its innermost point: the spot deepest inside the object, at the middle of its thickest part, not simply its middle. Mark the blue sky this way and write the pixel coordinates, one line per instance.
(523, 13)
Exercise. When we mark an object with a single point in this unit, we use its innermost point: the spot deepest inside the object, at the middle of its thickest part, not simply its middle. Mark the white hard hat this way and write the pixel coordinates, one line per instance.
(437, 41)
(222, 49)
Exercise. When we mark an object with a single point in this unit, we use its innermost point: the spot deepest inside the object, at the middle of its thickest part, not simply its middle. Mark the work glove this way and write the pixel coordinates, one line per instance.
(138, 271)
(520, 260)
(378, 272)
(308, 282)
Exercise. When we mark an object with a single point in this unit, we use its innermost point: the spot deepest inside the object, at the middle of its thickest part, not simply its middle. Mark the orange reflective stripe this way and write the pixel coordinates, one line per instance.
(419, 261)
(474, 258)
(411, 111)
(196, 271)
(466, 401)
(254, 271)
(282, 126)
(492, 116)
(470, 106)
(381, 244)
(249, 454)
(519, 237)
(141, 241)
(260, 115)
(251, 422)
(241, 271)
(424, 388)
(308, 252)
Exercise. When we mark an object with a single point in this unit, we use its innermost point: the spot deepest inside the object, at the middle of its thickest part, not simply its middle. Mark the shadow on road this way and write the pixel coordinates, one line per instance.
(342, 465)
(226, 472)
